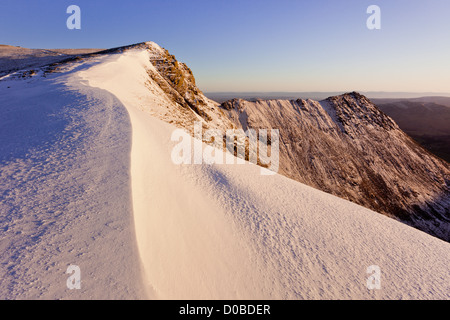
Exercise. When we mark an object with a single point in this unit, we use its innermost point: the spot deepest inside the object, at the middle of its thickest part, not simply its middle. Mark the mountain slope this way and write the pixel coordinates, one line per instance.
(195, 231)
(225, 231)
(346, 146)
(343, 145)
(17, 58)
(65, 191)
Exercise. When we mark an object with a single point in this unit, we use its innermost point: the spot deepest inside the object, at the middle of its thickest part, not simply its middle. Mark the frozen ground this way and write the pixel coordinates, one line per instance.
(65, 191)
(87, 179)
(17, 58)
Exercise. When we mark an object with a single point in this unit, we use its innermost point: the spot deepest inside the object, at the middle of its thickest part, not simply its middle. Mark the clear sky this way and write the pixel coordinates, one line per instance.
(258, 45)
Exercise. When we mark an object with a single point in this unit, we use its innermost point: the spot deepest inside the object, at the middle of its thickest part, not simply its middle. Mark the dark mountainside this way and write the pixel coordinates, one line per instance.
(346, 146)
(426, 120)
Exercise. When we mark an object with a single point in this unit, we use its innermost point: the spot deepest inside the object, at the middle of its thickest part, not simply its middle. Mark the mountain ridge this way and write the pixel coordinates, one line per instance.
(90, 182)
(343, 145)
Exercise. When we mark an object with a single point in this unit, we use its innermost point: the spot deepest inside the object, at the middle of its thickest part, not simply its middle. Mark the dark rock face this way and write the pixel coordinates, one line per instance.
(346, 146)
(181, 80)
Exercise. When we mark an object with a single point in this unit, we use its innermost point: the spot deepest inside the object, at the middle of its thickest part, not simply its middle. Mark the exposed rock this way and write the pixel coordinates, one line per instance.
(346, 146)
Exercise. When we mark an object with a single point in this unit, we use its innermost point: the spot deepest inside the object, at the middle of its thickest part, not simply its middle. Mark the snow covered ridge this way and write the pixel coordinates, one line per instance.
(225, 231)
(13, 59)
(343, 145)
(88, 180)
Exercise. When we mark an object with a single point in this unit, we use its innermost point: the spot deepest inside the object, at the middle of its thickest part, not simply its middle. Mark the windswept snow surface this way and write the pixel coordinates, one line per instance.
(199, 232)
(65, 191)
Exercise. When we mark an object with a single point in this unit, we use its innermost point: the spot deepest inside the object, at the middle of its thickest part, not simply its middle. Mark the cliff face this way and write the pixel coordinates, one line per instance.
(346, 146)
(183, 103)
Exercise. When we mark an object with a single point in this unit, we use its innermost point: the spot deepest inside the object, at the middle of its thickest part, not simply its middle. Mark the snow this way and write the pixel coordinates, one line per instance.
(87, 179)
(331, 112)
(17, 58)
(65, 192)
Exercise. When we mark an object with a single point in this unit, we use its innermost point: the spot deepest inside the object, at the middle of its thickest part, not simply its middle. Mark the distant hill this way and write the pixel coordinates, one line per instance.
(425, 119)
(382, 97)
(17, 58)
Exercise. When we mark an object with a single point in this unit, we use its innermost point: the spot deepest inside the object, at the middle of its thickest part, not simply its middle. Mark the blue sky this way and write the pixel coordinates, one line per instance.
(260, 45)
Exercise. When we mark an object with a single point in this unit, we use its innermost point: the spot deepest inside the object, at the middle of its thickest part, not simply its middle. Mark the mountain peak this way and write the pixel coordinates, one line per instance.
(354, 94)
(354, 109)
